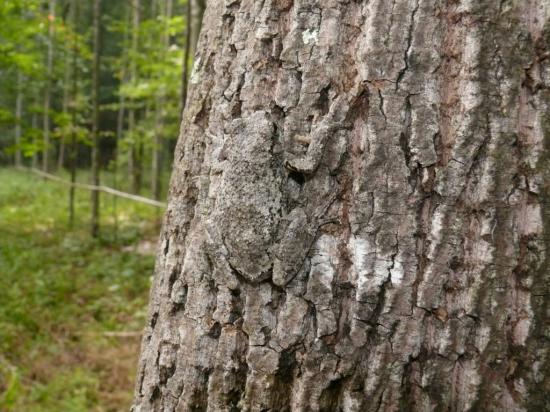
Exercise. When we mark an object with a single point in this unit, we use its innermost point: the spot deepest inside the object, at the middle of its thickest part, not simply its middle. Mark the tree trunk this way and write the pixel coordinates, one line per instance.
(95, 117)
(197, 13)
(132, 154)
(358, 212)
(193, 19)
(34, 127)
(120, 122)
(156, 158)
(18, 119)
(66, 95)
(66, 88)
(74, 108)
(46, 151)
(186, 53)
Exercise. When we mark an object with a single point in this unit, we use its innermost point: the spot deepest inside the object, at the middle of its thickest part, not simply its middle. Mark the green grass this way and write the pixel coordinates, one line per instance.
(61, 291)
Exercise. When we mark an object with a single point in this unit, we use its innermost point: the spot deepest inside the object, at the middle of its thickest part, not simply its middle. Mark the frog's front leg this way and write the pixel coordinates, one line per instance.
(310, 161)
(319, 136)
(292, 250)
(293, 247)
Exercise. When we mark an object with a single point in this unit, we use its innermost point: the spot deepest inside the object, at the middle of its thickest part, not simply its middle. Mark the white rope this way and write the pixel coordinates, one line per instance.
(105, 189)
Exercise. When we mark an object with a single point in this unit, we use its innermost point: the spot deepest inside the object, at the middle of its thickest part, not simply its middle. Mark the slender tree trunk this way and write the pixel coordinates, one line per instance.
(46, 152)
(74, 108)
(65, 109)
(18, 119)
(120, 124)
(358, 216)
(196, 21)
(95, 116)
(34, 126)
(193, 17)
(139, 150)
(157, 150)
(156, 158)
(61, 154)
(186, 53)
(132, 160)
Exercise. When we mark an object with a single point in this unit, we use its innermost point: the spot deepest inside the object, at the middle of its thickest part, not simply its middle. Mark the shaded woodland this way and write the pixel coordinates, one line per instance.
(91, 95)
(95, 86)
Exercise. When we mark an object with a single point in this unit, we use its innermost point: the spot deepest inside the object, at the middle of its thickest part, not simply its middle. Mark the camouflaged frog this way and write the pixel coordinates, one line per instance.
(249, 205)
(249, 201)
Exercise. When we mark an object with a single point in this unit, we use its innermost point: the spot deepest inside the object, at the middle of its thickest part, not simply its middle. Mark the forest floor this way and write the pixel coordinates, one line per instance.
(71, 307)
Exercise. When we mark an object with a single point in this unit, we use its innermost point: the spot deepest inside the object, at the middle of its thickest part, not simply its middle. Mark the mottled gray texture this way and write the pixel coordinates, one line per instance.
(358, 215)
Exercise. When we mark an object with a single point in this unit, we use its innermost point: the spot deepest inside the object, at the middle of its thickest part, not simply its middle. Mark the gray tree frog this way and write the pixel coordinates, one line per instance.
(247, 210)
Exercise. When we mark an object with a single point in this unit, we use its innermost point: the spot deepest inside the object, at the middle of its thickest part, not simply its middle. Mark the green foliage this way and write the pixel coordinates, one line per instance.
(145, 80)
(23, 44)
(75, 391)
(10, 384)
(62, 291)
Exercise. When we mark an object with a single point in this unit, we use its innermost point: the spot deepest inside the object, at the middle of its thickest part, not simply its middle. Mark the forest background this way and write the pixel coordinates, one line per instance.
(91, 94)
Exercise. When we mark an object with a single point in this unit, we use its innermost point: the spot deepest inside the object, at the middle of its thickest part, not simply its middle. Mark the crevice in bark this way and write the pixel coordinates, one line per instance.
(323, 103)
(381, 106)
(330, 396)
(198, 401)
(215, 330)
(404, 139)
(298, 177)
(409, 39)
(153, 320)
(155, 395)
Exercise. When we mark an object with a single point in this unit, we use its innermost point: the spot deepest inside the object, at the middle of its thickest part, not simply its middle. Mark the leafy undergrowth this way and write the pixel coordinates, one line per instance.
(67, 301)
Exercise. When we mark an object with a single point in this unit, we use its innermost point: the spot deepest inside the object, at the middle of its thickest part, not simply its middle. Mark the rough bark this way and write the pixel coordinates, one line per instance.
(358, 212)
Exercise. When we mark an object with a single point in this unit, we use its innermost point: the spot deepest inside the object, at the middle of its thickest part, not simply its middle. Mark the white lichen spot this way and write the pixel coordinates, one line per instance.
(483, 252)
(360, 251)
(397, 273)
(444, 341)
(531, 220)
(195, 77)
(382, 269)
(470, 95)
(324, 260)
(470, 379)
(521, 331)
(310, 36)
(350, 403)
(482, 338)
(376, 362)
(436, 232)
